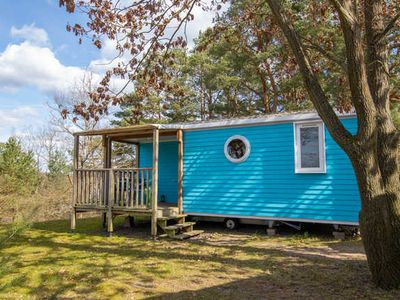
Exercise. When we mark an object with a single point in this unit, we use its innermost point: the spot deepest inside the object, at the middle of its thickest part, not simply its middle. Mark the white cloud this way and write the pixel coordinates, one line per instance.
(26, 64)
(15, 116)
(32, 62)
(29, 64)
(202, 20)
(12, 120)
(31, 33)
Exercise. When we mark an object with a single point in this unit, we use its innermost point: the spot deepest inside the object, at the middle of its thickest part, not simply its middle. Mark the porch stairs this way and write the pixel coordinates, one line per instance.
(174, 225)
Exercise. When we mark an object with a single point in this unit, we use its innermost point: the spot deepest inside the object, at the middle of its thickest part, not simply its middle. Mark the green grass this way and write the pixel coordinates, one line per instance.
(47, 261)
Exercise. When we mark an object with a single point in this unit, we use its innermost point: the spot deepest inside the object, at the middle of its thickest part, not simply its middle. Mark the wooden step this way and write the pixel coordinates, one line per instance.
(167, 221)
(176, 229)
(186, 235)
(179, 226)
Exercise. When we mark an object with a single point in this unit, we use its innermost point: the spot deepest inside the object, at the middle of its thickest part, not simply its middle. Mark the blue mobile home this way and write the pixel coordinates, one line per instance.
(283, 167)
(290, 169)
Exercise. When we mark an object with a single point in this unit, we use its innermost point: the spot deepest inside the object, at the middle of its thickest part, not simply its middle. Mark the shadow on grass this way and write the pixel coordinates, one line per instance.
(50, 262)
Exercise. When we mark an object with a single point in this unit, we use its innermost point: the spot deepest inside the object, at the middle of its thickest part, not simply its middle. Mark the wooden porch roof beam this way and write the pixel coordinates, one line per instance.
(110, 131)
(124, 136)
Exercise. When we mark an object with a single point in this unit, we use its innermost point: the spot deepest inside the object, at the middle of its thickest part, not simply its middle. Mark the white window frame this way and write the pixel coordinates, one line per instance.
(247, 144)
(297, 147)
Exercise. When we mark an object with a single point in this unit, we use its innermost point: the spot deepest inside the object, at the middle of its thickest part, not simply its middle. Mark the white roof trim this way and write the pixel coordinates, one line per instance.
(240, 122)
(271, 119)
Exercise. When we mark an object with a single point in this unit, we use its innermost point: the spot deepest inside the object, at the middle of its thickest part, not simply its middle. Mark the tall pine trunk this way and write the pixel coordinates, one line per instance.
(379, 218)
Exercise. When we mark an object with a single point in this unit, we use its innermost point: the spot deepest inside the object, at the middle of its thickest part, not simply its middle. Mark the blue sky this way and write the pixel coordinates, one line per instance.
(38, 58)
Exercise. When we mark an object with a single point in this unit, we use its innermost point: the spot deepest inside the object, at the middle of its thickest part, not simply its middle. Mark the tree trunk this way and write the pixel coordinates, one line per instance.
(379, 221)
(210, 106)
(374, 151)
(274, 88)
(265, 97)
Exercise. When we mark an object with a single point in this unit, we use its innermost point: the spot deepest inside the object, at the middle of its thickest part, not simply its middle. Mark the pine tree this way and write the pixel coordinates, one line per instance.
(18, 170)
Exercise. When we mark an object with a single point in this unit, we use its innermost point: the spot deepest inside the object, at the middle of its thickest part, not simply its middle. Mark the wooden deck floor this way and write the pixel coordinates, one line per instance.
(164, 208)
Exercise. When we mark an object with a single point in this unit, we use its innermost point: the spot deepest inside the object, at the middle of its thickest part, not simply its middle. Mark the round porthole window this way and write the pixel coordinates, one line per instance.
(237, 148)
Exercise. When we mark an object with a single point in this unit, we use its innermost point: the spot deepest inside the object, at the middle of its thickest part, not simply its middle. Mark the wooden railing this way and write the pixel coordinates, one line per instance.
(132, 188)
(91, 187)
(122, 188)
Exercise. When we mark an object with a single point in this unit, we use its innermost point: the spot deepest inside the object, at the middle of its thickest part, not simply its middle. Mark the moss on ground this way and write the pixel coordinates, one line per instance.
(47, 261)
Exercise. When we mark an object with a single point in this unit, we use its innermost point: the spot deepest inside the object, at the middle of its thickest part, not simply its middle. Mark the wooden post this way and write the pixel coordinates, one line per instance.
(105, 183)
(73, 219)
(109, 157)
(180, 169)
(74, 181)
(104, 220)
(137, 149)
(154, 183)
(110, 226)
(105, 151)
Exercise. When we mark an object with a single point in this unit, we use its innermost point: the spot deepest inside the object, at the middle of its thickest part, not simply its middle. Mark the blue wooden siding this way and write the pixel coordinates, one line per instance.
(167, 168)
(266, 185)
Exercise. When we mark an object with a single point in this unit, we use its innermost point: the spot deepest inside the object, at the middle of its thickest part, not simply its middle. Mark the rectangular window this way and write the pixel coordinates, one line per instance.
(309, 147)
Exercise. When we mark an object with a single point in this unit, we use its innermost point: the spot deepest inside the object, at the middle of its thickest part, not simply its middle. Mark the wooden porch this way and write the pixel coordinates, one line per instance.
(128, 191)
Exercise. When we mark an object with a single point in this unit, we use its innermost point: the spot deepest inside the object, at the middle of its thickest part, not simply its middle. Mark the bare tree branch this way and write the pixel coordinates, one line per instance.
(357, 74)
(344, 13)
(340, 62)
(389, 27)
